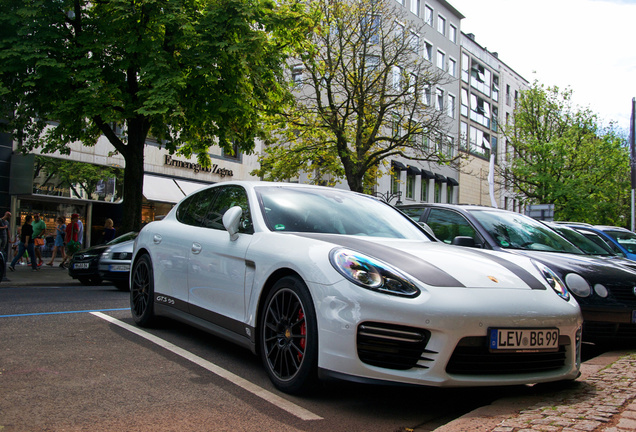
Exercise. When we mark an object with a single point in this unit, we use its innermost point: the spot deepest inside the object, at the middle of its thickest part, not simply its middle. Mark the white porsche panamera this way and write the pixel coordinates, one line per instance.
(324, 283)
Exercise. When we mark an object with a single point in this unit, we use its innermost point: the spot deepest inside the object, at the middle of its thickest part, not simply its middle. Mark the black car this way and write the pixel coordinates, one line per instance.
(110, 262)
(605, 291)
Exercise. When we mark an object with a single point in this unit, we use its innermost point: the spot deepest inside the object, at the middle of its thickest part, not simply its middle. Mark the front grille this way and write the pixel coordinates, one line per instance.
(600, 332)
(623, 294)
(472, 356)
(392, 346)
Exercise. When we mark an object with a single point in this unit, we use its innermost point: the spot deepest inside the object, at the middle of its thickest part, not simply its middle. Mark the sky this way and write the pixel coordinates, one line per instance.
(586, 45)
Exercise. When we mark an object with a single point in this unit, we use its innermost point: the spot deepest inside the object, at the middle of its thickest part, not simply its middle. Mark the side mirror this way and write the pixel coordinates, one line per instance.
(463, 241)
(231, 220)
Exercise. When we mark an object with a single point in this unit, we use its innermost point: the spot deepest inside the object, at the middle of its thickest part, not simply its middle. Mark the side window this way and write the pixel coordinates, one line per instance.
(193, 209)
(447, 225)
(227, 198)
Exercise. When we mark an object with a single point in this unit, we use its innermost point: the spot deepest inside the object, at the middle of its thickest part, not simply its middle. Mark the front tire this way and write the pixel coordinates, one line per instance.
(289, 336)
(142, 292)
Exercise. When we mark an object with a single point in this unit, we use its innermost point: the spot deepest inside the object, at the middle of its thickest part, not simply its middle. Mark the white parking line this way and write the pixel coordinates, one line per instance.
(278, 401)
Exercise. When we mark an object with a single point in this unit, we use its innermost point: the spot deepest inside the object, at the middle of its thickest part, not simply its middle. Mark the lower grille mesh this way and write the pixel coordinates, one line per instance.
(391, 346)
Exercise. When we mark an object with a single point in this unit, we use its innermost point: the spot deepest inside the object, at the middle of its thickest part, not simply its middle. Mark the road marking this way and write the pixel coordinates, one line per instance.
(62, 312)
(276, 400)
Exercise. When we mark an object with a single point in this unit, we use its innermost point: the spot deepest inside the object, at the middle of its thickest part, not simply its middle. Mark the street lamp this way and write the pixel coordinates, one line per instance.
(388, 197)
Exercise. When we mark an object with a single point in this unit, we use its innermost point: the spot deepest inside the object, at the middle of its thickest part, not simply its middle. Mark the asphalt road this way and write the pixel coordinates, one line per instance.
(71, 359)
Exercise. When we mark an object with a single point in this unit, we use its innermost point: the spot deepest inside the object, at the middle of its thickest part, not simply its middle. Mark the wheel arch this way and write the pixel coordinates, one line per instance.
(267, 287)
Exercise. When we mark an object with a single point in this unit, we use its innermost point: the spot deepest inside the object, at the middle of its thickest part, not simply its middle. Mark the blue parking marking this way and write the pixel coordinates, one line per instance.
(64, 312)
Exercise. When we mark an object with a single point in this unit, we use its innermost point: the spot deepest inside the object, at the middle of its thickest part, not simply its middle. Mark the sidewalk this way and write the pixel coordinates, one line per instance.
(603, 398)
(46, 276)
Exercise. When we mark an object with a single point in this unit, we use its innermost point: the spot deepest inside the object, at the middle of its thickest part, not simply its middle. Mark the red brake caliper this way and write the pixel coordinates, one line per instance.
(303, 332)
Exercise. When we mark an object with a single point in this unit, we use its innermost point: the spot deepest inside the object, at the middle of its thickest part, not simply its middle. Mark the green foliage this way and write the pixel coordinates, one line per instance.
(192, 73)
(361, 100)
(563, 157)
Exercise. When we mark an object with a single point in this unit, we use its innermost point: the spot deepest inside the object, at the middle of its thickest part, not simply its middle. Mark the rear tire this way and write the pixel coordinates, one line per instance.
(288, 336)
(142, 292)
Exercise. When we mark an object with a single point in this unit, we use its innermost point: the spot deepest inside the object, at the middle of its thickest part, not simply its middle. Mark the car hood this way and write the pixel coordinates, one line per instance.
(438, 264)
(595, 270)
(93, 250)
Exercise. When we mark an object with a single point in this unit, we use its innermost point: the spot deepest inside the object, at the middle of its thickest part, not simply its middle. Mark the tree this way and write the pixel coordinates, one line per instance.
(563, 157)
(364, 95)
(191, 73)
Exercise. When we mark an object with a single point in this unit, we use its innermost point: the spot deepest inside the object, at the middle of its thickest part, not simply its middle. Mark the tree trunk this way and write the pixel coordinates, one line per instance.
(134, 175)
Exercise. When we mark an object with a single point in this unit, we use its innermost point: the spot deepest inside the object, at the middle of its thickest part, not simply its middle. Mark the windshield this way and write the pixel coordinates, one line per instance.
(318, 210)
(515, 231)
(582, 242)
(627, 239)
(123, 238)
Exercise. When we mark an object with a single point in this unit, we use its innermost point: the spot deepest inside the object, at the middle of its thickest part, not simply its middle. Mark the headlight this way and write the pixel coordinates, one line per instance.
(553, 280)
(578, 285)
(107, 254)
(372, 274)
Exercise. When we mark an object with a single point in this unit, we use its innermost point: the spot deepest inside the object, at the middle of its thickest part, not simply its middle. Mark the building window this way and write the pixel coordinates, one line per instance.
(415, 7)
(438, 192)
(414, 43)
(424, 190)
(428, 15)
(480, 78)
(410, 186)
(441, 24)
(439, 99)
(397, 78)
(233, 153)
(479, 142)
(371, 63)
(449, 193)
(450, 107)
(395, 181)
(495, 88)
(465, 68)
(400, 2)
(479, 110)
(464, 102)
(297, 75)
(452, 67)
(371, 26)
(428, 51)
(426, 95)
(452, 33)
(463, 136)
(441, 59)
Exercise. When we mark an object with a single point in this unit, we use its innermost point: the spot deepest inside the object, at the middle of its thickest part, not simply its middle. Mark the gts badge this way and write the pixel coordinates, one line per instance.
(164, 299)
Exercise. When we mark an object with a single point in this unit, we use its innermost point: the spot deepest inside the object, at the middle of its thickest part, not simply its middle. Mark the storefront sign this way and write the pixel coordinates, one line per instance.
(213, 169)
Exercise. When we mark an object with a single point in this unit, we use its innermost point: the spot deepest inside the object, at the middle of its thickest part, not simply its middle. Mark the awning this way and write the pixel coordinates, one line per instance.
(428, 174)
(161, 189)
(399, 165)
(189, 187)
(413, 170)
(440, 178)
(452, 181)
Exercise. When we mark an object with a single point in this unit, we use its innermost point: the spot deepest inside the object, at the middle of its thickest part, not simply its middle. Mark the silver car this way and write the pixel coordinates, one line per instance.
(114, 263)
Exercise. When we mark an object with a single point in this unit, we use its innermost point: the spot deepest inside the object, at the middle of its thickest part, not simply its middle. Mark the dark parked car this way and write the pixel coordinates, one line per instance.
(110, 262)
(621, 240)
(605, 291)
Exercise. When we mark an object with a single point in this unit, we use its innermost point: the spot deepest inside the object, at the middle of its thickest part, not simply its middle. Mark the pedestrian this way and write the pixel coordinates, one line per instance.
(5, 238)
(72, 244)
(26, 243)
(39, 232)
(60, 233)
(80, 233)
(109, 231)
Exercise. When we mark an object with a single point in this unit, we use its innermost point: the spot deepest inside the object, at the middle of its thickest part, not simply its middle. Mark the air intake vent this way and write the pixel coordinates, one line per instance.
(391, 346)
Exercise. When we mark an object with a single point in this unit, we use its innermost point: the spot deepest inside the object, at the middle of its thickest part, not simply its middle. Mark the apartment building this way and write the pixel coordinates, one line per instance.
(488, 90)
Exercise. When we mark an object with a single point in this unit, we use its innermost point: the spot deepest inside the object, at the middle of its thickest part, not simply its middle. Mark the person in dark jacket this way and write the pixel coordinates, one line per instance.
(26, 243)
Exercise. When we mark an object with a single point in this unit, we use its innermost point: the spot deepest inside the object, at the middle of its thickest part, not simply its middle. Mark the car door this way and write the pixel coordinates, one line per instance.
(217, 266)
(448, 224)
(172, 243)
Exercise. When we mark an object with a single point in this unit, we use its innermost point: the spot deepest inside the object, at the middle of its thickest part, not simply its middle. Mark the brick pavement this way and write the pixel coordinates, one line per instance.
(604, 400)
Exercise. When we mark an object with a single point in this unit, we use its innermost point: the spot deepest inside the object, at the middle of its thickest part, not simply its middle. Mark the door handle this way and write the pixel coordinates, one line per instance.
(156, 239)
(196, 248)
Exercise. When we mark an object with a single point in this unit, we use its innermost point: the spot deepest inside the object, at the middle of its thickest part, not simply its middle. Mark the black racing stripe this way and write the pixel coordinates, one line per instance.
(418, 268)
(517, 270)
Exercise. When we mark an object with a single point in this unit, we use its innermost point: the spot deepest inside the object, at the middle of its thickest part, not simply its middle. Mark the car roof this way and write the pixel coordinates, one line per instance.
(465, 207)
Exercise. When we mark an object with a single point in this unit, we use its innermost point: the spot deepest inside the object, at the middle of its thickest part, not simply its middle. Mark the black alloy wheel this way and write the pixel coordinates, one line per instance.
(142, 291)
(289, 336)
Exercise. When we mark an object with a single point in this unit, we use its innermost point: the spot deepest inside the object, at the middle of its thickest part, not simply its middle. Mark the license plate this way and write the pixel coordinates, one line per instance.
(119, 267)
(81, 265)
(524, 339)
